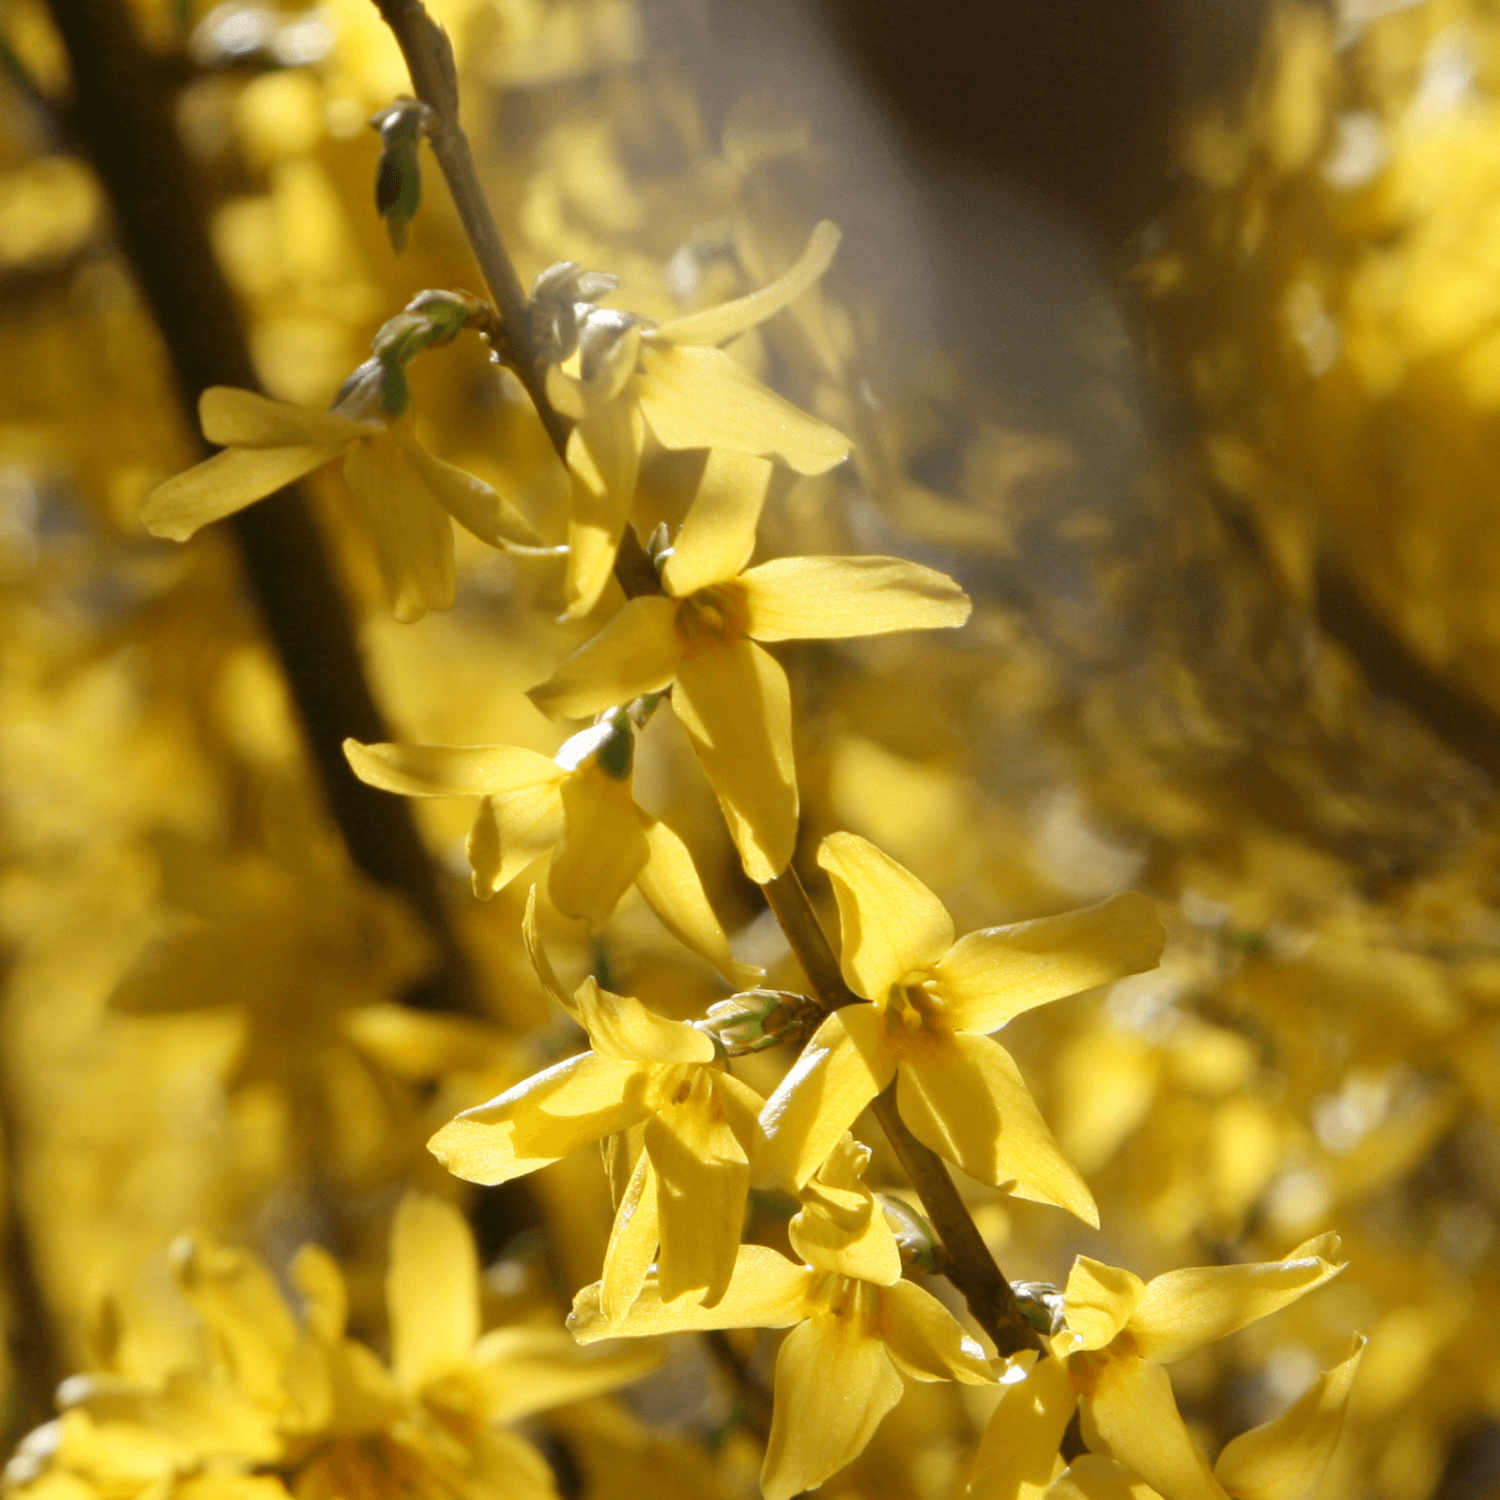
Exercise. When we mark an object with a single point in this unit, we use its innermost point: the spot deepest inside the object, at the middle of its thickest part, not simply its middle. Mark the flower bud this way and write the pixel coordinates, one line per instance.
(915, 1238)
(757, 1019)
(1041, 1305)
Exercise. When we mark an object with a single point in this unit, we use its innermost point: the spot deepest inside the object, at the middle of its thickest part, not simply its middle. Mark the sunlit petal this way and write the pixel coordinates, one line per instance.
(621, 1027)
(469, 500)
(1018, 1452)
(225, 483)
(604, 454)
(840, 1227)
(1094, 1477)
(926, 1340)
(717, 535)
(603, 849)
(636, 652)
(512, 831)
(246, 419)
(827, 598)
(431, 1288)
(450, 770)
(632, 1243)
(1100, 1300)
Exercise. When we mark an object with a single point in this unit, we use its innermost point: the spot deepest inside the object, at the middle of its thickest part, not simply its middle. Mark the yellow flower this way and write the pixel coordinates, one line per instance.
(687, 1191)
(699, 637)
(859, 1328)
(933, 1001)
(690, 393)
(578, 807)
(408, 495)
(1108, 1363)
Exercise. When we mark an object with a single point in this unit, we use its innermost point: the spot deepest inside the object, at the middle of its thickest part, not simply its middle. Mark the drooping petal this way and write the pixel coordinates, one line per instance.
(512, 831)
(843, 1066)
(766, 1291)
(717, 535)
(1182, 1310)
(431, 1290)
(1130, 1414)
(840, 1227)
(413, 535)
(830, 598)
(636, 652)
(603, 849)
(669, 882)
(716, 325)
(926, 1340)
(965, 1098)
(225, 483)
(604, 456)
(1285, 1459)
(1100, 1300)
(621, 1027)
(632, 1243)
(541, 1120)
(1018, 1452)
(1091, 1476)
(987, 978)
(702, 1176)
(834, 1382)
(469, 500)
(450, 770)
(736, 706)
(704, 398)
(245, 419)
(890, 924)
(529, 1368)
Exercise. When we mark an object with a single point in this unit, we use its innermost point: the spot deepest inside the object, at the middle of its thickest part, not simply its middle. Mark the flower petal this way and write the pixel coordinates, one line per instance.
(1099, 1300)
(431, 1289)
(840, 1227)
(1129, 1414)
(964, 1096)
(413, 535)
(736, 706)
(636, 652)
(621, 1027)
(603, 849)
(890, 924)
(604, 456)
(766, 1291)
(511, 832)
(987, 978)
(1182, 1310)
(1018, 1452)
(715, 325)
(528, 1368)
(717, 535)
(632, 1243)
(669, 882)
(450, 770)
(246, 419)
(225, 483)
(1285, 1459)
(834, 1383)
(469, 500)
(843, 1066)
(831, 598)
(1091, 1476)
(926, 1340)
(704, 398)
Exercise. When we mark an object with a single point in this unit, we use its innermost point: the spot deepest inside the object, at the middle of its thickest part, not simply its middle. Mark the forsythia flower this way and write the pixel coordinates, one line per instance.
(699, 638)
(1120, 1332)
(408, 495)
(859, 1328)
(933, 1001)
(690, 393)
(644, 1070)
(578, 807)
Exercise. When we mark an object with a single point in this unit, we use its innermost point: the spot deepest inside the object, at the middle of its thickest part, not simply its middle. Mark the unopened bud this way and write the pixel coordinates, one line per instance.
(561, 297)
(398, 179)
(757, 1019)
(1041, 1305)
(915, 1238)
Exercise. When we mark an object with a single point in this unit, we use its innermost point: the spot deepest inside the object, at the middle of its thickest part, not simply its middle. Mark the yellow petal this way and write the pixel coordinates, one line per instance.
(512, 831)
(737, 709)
(450, 770)
(890, 924)
(717, 535)
(766, 1291)
(246, 419)
(1129, 1414)
(636, 652)
(632, 1243)
(536, 951)
(225, 483)
(529, 1368)
(431, 1290)
(716, 325)
(926, 1340)
(703, 398)
(603, 849)
(1182, 1310)
(572, 1103)
(964, 1097)
(413, 535)
(325, 1300)
(604, 454)
(843, 1066)
(829, 598)
(1018, 1451)
(1285, 1459)
(989, 977)
(469, 500)
(841, 1228)
(1100, 1300)
(621, 1027)
(1094, 1477)
(669, 882)
(702, 1175)
(834, 1383)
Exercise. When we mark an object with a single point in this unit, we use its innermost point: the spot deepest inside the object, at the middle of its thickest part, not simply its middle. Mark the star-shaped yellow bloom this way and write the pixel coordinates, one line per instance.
(676, 381)
(859, 1328)
(699, 638)
(408, 496)
(699, 1122)
(933, 1000)
(578, 807)
(1108, 1363)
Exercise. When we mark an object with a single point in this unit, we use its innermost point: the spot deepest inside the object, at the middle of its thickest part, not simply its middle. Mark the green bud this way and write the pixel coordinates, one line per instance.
(915, 1238)
(757, 1019)
(1041, 1305)
(398, 179)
